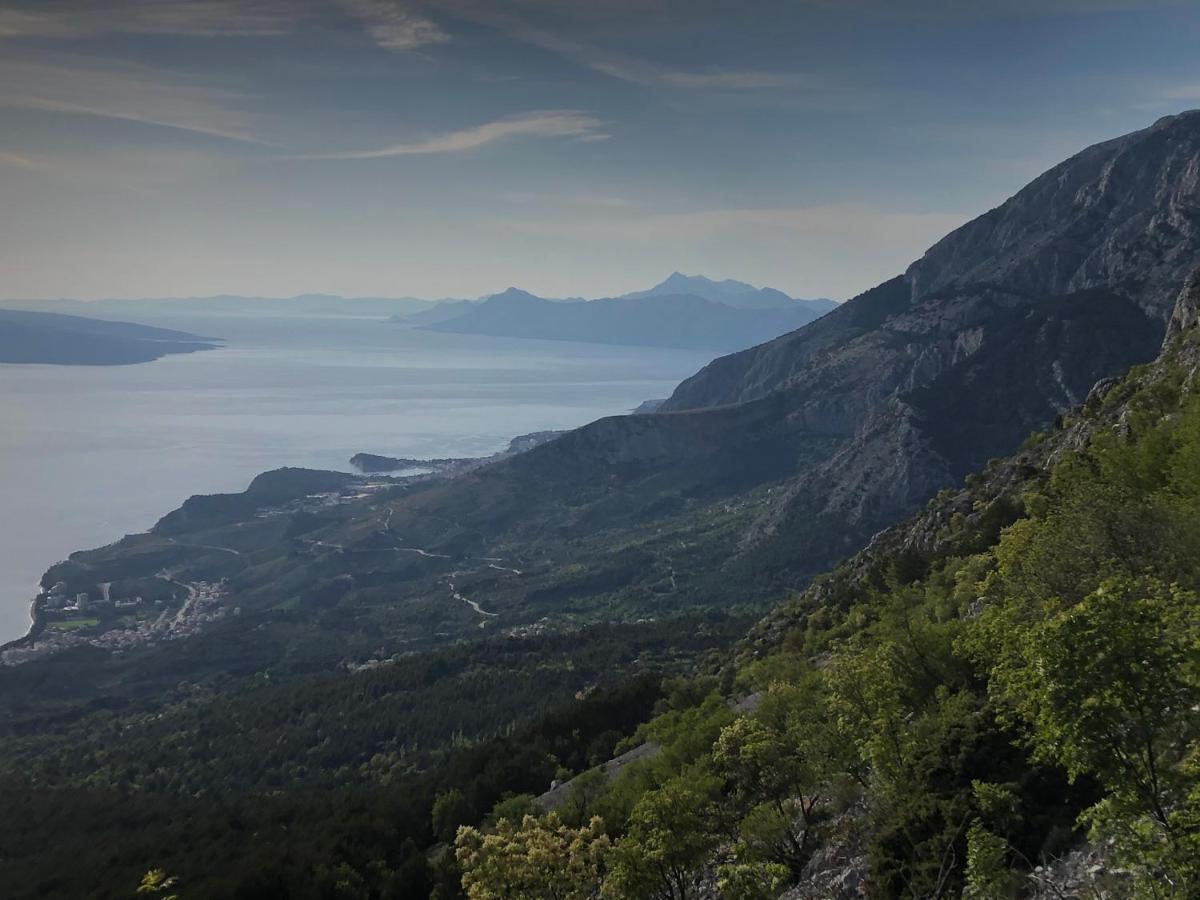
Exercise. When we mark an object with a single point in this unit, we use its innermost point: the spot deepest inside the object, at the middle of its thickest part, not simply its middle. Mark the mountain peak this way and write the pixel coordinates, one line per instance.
(679, 283)
(1120, 214)
(514, 294)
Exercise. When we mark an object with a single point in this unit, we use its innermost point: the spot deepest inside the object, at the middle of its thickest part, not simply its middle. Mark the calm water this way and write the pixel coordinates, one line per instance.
(88, 454)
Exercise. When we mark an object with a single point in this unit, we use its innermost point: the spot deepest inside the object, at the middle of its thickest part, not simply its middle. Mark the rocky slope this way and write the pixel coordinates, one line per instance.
(967, 518)
(1122, 216)
(1001, 326)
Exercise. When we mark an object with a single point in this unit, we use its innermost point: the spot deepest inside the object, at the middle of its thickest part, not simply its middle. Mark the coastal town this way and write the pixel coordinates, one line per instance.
(118, 623)
(120, 615)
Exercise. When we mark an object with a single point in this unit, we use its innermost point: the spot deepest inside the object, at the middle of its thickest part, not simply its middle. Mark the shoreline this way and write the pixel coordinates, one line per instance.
(427, 469)
(34, 622)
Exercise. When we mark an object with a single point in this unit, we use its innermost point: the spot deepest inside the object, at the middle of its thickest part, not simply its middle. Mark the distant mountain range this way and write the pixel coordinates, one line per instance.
(39, 337)
(231, 305)
(683, 311)
(737, 294)
(691, 312)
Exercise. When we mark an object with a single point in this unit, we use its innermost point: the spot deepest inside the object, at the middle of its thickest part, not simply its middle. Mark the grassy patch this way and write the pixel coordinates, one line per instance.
(74, 624)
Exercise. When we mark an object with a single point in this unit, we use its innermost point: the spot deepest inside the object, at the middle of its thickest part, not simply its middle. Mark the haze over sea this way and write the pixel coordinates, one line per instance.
(89, 454)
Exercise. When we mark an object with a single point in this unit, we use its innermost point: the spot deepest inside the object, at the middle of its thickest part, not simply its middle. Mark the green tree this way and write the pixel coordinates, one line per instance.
(671, 834)
(988, 877)
(540, 859)
(1109, 688)
(779, 765)
(450, 810)
(158, 884)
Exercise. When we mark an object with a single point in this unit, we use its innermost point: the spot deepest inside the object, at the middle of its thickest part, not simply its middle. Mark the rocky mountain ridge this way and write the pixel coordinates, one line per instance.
(1002, 325)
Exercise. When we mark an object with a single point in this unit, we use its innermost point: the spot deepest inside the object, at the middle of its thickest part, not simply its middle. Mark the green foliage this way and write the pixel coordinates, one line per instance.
(988, 877)
(751, 880)
(157, 883)
(780, 766)
(540, 859)
(513, 807)
(450, 810)
(671, 833)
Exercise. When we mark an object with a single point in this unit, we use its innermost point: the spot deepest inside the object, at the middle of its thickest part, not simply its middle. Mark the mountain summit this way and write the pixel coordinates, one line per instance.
(1002, 325)
(733, 293)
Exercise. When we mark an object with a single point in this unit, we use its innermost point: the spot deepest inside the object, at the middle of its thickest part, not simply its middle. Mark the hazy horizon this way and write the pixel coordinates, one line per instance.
(448, 148)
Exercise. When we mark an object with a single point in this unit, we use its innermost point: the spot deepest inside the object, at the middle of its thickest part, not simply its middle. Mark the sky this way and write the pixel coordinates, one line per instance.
(452, 148)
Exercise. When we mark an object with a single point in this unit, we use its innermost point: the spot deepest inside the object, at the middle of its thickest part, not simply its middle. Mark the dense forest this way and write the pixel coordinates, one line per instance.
(281, 782)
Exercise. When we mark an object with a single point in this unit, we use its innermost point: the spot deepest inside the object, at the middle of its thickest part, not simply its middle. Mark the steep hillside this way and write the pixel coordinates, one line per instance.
(997, 699)
(1121, 217)
(936, 718)
(639, 540)
(1002, 325)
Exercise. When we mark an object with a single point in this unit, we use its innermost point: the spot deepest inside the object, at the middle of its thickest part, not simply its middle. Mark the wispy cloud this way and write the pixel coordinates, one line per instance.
(194, 18)
(125, 92)
(648, 74)
(394, 26)
(1188, 93)
(19, 161)
(562, 123)
(621, 66)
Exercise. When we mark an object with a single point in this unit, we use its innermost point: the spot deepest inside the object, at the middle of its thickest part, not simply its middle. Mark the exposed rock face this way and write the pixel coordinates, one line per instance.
(990, 500)
(1001, 326)
(1186, 313)
(1123, 215)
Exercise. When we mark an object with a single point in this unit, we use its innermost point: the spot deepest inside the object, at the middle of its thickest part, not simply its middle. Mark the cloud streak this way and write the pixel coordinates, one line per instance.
(617, 65)
(190, 18)
(125, 92)
(562, 124)
(18, 161)
(394, 26)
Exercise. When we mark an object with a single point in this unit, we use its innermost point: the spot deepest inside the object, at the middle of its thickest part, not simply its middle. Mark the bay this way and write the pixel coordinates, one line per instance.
(88, 454)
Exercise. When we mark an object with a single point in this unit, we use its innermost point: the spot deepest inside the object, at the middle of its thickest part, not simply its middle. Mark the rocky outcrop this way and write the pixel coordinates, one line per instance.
(1122, 217)
(991, 499)
(1001, 326)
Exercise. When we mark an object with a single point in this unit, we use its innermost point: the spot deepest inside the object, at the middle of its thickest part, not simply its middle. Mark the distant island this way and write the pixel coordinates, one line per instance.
(686, 312)
(58, 339)
(689, 312)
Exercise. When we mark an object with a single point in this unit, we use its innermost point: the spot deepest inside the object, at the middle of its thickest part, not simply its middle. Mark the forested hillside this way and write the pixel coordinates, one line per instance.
(998, 699)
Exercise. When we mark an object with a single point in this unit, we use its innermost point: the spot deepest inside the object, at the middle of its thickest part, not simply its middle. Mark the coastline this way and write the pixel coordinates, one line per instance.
(35, 624)
(362, 466)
